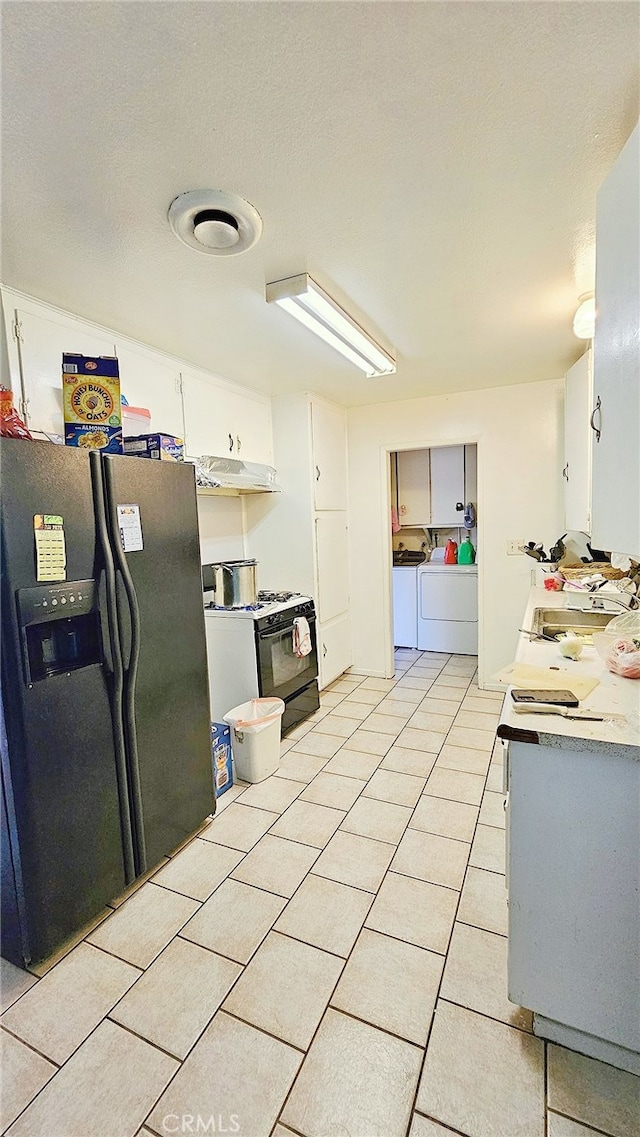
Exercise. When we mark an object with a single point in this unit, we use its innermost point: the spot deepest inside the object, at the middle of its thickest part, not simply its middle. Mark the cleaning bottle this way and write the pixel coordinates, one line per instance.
(451, 553)
(466, 552)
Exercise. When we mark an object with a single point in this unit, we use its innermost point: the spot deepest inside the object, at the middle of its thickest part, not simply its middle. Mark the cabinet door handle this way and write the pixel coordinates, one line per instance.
(324, 650)
(230, 443)
(317, 473)
(565, 472)
(238, 443)
(597, 410)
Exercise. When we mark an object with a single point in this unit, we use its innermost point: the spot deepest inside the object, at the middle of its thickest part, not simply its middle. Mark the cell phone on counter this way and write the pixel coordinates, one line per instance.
(554, 698)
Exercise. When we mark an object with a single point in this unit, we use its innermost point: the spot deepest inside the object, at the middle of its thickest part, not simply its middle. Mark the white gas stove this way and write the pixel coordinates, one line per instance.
(251, 652)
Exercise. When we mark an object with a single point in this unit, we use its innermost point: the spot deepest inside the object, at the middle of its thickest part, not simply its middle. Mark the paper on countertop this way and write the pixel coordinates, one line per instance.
(546, 679)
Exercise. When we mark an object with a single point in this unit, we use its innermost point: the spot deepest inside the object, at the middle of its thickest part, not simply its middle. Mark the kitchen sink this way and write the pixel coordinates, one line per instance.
(555, 622)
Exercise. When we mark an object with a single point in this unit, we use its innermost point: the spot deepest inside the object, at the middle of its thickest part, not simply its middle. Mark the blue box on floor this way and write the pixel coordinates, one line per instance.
(221, 757)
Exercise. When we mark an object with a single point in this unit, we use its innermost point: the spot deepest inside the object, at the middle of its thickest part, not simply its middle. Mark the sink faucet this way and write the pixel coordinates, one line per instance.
(598, 602)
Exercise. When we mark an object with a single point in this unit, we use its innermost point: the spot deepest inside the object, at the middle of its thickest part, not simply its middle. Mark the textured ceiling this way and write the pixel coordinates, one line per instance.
(434, 164)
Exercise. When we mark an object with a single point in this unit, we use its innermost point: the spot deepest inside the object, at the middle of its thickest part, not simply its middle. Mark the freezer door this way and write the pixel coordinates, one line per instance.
(64, 858)
(154, 530)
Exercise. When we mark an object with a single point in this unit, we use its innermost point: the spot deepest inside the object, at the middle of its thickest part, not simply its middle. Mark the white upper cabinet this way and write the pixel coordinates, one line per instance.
(206, 418)
(447, 486)
(413, 488)
(149, 379)
(329, 446)
(224, 422)
(44, 334)
(616, 389)
(577, 445)
(212, 415)
(253, 429)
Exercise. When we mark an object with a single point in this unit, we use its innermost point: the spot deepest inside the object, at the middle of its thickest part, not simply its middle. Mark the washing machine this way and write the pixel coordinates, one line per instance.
(447, 606)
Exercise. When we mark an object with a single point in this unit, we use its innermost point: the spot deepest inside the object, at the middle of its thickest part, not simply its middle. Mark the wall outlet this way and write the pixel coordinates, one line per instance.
(514, 548)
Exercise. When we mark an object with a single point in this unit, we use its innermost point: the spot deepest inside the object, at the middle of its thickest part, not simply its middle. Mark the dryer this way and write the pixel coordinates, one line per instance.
(448, 608)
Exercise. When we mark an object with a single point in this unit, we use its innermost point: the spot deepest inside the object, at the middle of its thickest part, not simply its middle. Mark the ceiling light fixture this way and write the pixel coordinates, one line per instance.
(584, 321)
(302, 298)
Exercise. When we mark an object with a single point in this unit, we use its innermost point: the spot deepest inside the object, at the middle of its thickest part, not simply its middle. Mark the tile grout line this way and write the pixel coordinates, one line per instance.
(244, 853)
(438, 996)
(336, 1011)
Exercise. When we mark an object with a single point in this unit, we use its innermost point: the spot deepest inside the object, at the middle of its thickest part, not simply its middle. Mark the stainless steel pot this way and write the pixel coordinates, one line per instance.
(235, 584)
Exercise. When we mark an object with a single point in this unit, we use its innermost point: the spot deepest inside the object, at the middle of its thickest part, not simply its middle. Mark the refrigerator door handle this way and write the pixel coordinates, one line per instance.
(115, 680)
(130, 674)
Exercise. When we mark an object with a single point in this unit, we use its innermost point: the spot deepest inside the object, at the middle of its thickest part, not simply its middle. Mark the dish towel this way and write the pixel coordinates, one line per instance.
(301, 637)
(469, 516)
(395, 524)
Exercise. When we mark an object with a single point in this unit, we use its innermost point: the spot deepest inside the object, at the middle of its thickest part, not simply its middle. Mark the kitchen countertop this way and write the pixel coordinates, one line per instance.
(613, 695)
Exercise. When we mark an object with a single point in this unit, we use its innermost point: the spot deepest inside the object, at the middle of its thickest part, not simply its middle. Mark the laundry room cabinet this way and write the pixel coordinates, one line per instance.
(300, 536)
(615, 436)
(413, 488)
(430, 484)
(447, 485)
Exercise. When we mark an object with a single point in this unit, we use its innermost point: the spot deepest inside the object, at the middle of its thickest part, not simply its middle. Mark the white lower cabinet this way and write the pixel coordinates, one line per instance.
(573, 883)
(334, 649)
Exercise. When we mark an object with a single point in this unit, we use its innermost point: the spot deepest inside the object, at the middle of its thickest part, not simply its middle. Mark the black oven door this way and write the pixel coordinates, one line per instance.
(280, 671)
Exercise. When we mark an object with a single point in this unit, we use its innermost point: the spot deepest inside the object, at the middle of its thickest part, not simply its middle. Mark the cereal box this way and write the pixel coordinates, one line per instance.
(91, 402)
(221, 754)
(165, 447)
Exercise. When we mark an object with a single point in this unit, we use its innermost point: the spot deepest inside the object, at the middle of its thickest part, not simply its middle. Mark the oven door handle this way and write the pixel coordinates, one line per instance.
(283, 628)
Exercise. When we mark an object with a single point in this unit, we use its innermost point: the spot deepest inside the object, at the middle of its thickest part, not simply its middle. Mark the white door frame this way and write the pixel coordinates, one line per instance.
(387, 544)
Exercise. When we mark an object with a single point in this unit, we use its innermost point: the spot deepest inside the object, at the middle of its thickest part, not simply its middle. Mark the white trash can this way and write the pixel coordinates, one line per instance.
(255, 730)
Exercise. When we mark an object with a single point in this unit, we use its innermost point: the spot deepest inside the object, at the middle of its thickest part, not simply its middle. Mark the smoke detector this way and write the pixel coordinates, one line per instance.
(215, 222)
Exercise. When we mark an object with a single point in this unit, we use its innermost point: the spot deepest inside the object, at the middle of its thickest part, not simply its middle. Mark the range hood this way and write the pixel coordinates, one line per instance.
(230, 476)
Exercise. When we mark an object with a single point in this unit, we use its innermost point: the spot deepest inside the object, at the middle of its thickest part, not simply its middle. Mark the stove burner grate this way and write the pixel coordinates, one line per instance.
(268, 597)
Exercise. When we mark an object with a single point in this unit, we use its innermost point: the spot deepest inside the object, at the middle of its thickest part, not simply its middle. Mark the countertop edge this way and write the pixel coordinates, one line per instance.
(614, 695)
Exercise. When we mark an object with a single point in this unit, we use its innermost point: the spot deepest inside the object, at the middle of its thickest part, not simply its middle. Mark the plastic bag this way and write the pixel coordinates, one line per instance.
(11, 425)
(619, 646)
(255, 715)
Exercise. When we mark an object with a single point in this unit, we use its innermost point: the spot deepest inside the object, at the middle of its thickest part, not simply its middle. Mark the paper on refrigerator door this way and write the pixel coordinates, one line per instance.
(51, 554)
(130, 528)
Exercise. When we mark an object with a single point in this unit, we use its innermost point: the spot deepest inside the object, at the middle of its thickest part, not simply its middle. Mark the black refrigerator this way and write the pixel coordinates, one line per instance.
(105, 733)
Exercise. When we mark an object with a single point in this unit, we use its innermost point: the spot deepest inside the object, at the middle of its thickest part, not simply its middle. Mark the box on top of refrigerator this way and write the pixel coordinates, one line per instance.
(91, 402)
(165, 447)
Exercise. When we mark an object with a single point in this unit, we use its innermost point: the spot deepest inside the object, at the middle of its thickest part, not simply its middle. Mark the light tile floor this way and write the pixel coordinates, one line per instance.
(327, 957)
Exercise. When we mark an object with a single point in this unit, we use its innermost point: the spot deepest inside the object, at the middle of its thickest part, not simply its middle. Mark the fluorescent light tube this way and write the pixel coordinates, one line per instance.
(304, 299)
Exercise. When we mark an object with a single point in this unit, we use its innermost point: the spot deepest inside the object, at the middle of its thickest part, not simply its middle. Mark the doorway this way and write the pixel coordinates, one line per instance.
(433, 550)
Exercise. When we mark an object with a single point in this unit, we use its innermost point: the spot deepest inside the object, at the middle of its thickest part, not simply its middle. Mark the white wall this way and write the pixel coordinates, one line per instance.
(220, 521)
(518, 430)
